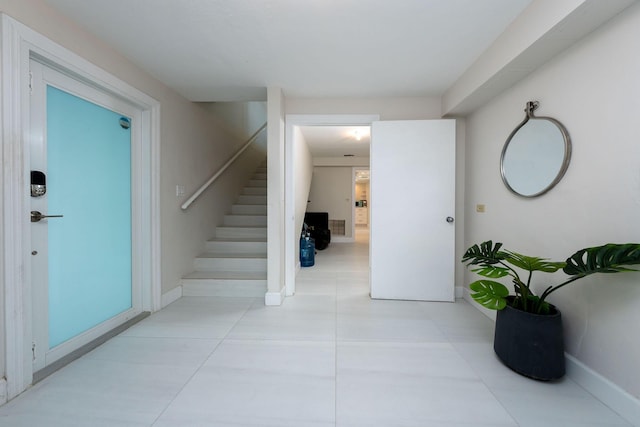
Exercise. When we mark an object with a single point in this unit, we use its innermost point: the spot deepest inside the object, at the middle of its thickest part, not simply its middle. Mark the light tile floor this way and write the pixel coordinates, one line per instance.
(329, 356)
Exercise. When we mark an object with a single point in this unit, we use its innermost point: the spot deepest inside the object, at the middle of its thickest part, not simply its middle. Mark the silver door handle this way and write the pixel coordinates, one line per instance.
(36, 216)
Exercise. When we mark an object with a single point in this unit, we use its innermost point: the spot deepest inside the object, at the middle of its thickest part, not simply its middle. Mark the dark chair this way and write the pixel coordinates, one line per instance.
(318, 223)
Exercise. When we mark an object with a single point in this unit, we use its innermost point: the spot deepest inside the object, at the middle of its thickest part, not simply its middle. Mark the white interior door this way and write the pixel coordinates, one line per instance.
(412, 231)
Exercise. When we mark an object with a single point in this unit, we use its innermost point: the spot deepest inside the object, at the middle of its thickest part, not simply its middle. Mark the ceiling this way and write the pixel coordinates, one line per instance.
(232, 50)
(337, 141)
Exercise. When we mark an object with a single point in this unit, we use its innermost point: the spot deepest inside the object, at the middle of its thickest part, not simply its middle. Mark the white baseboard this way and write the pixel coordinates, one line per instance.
(3, 391)
(274, 298)
(459, 293)
(171, 296)
(606, 391)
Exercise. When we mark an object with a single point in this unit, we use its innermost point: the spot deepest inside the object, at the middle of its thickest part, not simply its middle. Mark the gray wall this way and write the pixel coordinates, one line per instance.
(331, 190)
(592, 89)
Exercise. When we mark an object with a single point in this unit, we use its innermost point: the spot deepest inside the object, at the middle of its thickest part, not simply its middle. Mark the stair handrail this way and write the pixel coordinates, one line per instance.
(210, 181)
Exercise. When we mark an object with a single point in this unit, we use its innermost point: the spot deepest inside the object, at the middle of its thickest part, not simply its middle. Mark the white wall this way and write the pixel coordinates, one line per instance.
(242, 119)
(387, 108)
(275, 197)
(592, 88)
(331, 192)
(302, 177)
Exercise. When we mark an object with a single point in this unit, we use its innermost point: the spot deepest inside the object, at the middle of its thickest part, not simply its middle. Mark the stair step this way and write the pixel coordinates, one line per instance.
(241, 232)
(227, 275)
(254, 191)
(245, 220)
(249, 209)
(231, 262)
(257, 183)
(224, 288)
(225, 284)
(235, 261)
(236, 246)
(252, 200)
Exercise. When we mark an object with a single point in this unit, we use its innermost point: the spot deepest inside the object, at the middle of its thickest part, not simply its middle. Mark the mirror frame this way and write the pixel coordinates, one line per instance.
(530, 108)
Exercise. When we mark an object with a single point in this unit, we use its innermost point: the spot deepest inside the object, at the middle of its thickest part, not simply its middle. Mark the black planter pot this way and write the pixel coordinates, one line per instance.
(530, 344)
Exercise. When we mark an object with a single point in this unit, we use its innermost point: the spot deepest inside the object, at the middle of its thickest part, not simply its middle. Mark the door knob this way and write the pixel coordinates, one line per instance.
(36, 216)
(449, 219)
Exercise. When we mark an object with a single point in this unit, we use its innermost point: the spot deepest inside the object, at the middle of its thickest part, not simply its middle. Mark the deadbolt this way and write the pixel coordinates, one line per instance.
(36, 216)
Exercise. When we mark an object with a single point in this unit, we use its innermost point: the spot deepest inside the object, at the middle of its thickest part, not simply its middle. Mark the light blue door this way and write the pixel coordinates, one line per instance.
(82, 270)
(89, 182)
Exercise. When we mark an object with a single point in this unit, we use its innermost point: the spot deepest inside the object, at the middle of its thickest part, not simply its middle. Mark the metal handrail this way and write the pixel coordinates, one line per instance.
(206, 185)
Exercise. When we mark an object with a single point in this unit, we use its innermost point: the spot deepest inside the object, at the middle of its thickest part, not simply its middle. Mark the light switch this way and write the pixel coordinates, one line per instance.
(480, 208)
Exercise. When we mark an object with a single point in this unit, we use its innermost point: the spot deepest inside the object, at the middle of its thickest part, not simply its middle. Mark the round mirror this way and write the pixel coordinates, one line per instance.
(536, 155)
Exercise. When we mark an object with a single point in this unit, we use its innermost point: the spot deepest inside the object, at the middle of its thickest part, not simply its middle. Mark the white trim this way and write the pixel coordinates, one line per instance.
(3, 391)
(291, 121)
(275, 298)
(16, 333)
(604, 390)
(19, 43)
(172, 296)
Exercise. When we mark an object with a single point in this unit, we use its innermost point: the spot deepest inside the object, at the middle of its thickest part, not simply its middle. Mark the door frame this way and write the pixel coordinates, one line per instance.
(19, 43)
(291, 235)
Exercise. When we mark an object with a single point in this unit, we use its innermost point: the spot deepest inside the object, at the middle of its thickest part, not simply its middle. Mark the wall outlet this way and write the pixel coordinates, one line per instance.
(480, 208)
(179, 190)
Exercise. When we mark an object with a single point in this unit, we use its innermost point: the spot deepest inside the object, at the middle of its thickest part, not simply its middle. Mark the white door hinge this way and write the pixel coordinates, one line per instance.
(30, 82)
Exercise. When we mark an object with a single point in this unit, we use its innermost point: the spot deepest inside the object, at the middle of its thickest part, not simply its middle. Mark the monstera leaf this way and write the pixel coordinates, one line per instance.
(609, 258)
(490, 294)
(485, 254)
(492, 271)
(530, 263)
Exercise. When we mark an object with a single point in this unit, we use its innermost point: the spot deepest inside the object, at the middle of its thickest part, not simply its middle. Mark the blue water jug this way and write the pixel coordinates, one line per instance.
(307, 251)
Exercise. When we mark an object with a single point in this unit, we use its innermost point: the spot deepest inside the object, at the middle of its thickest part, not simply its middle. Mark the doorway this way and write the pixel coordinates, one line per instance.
(361, 205)
(19, 45)
(292, 176)
(81, 214)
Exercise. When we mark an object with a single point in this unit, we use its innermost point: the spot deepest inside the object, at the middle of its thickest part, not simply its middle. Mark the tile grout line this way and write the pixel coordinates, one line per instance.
(221, 340)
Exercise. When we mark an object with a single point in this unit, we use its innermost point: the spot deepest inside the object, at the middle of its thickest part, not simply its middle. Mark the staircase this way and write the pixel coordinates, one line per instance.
(234, 263)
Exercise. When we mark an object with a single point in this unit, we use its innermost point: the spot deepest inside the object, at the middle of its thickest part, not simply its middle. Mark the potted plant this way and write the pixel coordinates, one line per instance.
(528, 335)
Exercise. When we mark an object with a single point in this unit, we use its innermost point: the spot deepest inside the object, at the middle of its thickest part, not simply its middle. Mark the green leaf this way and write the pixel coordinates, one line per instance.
(484, 254)
(530, 263)
(492, 271)
(489, 294)
(609, 258)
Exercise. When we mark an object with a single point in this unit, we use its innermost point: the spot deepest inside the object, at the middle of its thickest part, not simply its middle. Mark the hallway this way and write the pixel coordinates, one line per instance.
(329, 356)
